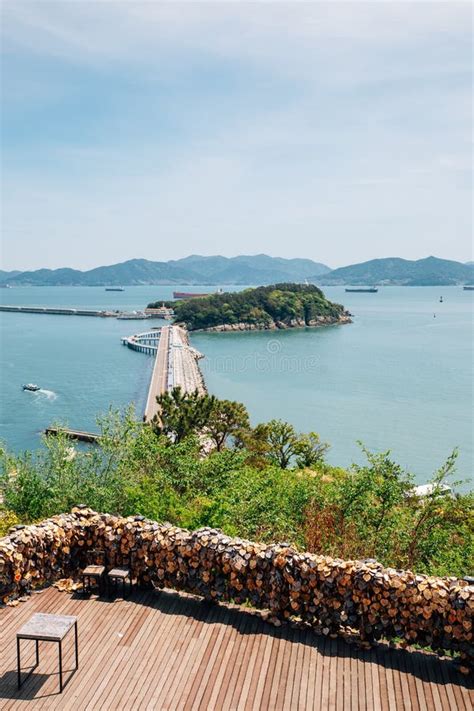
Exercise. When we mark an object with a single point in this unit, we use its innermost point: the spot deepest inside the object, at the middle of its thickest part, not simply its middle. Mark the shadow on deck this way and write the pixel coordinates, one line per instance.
(173, 651)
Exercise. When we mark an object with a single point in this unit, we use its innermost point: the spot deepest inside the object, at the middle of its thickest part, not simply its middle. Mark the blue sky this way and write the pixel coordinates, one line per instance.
(335, 131)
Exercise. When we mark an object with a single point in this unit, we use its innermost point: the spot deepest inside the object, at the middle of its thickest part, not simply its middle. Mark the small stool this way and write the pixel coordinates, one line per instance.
(47, 628)
(94, 572)
(121, 573)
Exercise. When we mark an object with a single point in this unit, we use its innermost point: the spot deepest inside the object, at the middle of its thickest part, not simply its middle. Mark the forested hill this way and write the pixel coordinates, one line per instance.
(276, 306)
(402, 272)
(257, 269)
(4, 276)
(195, 269)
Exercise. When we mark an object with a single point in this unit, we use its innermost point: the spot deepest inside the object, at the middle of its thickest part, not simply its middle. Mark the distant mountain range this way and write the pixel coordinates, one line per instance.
(254, 270)
(402, 272)
(7, 275)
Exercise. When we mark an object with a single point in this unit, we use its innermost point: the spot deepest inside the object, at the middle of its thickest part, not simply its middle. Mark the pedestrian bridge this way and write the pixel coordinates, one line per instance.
(146, 342)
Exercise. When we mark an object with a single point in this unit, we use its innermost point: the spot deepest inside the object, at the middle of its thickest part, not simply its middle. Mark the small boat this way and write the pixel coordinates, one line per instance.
(440, 299)
(114, 288)
(31, 387)
(363, 290)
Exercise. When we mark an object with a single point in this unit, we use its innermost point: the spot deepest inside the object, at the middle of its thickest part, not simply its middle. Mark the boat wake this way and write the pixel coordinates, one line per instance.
(49, 394)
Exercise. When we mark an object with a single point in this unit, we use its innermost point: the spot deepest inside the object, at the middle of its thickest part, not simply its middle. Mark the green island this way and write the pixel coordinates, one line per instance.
(266, 307)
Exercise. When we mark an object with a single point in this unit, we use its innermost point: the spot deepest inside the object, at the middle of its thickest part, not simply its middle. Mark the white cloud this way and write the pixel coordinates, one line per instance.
(348, 145)
(135, 31)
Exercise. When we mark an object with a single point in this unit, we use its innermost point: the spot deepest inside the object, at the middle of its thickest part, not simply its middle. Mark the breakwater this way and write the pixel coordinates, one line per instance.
(104, 313)
(79, 435)
(58, 311)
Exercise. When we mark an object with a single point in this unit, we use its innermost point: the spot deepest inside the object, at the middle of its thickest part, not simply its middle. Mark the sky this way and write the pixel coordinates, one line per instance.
(336, 131)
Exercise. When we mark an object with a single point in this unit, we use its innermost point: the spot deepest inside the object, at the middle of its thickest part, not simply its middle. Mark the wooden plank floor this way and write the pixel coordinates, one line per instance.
(173, 652)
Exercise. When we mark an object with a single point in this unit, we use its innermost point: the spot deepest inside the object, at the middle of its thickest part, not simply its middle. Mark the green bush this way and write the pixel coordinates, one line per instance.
(364, 511)
(7, 520)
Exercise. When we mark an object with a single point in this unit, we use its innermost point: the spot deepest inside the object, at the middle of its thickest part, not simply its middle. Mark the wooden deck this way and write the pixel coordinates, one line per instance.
(168, 652)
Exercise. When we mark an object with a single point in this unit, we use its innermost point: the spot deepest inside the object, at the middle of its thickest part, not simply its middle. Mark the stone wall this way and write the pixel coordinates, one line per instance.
(331, 595)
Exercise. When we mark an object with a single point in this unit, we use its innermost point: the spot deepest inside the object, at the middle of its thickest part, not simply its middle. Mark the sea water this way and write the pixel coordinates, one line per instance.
(399, 377)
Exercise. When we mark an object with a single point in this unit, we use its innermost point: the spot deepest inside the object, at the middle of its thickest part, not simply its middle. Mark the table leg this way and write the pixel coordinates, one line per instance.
(18, 660)
(76, 645)
(60, 666)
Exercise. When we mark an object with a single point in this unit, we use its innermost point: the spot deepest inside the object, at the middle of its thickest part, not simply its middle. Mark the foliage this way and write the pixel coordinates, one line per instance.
(226, 419)
(254, 442)
(278, 443)
(310, 450)
(215, 422)
(261, 306)
(7, 520)
(282, 442)
(285, 445)
(182, 414)
(365, 511)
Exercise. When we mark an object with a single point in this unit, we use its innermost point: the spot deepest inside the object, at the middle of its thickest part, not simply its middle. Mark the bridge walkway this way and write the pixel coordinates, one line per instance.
(159, 377)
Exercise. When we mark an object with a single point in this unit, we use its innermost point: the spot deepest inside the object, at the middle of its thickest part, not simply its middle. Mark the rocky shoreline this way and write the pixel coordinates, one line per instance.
(278, 325)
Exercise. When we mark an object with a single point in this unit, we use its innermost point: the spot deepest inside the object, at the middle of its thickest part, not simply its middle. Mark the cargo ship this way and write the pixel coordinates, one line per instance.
(364, 290)
(468, 288)
(114, 288)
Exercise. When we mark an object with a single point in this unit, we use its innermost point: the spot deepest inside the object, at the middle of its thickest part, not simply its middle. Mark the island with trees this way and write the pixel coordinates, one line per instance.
(266, 307)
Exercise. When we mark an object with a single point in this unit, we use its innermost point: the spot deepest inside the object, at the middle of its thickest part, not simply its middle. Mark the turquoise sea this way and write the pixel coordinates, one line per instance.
(399, 377)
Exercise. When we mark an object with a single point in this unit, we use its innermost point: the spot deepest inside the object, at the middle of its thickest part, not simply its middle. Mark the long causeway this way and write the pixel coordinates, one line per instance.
(159, 377)
(176, 364)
